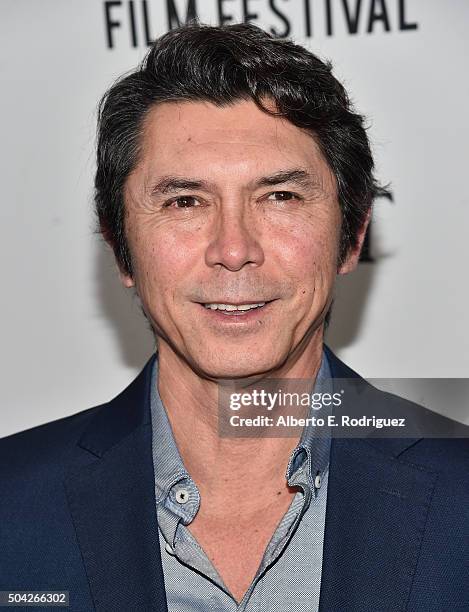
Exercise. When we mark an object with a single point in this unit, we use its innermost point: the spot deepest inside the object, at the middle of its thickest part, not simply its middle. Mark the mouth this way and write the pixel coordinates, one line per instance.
(242, 311)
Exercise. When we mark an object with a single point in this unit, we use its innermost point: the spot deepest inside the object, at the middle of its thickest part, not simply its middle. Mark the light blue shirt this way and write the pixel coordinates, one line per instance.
(289, 576)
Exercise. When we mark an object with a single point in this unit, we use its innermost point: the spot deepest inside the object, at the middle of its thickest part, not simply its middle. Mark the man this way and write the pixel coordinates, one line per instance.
(234, 182)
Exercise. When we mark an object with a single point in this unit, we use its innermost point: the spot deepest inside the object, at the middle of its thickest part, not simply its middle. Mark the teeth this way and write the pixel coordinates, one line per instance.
(233, 307)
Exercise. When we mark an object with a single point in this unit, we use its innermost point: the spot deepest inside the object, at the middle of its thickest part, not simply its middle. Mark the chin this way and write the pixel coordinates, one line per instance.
(234, 365)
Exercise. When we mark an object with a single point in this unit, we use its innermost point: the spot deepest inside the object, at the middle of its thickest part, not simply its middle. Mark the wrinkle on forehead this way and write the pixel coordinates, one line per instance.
(194, 137)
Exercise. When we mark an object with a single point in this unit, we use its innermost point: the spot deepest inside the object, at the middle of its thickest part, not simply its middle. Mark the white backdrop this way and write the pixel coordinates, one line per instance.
(72, 338)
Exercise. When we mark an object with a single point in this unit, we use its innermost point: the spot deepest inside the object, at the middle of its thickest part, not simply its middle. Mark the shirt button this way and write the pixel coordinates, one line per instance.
(169, 548)
(182, 496)
(317, 481)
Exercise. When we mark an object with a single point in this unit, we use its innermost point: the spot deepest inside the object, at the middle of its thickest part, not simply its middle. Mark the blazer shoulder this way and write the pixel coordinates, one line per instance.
(50, 448)
(439, 444)
(43, 447)
(433, 440)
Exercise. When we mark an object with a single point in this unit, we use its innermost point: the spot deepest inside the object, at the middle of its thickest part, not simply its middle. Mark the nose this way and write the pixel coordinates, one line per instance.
(234, 242)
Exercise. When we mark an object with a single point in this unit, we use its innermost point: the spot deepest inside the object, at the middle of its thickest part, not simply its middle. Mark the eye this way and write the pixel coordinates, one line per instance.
(181, 202)
(282, 196)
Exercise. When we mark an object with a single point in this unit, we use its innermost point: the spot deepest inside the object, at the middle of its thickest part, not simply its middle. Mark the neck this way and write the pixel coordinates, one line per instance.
(191, 402)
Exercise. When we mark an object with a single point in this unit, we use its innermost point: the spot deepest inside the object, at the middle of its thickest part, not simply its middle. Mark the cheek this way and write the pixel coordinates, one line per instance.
(162, 260)
(308, 252)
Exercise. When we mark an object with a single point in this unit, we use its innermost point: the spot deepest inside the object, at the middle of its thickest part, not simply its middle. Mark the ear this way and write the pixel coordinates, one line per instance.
(351, 261)
(126, 279)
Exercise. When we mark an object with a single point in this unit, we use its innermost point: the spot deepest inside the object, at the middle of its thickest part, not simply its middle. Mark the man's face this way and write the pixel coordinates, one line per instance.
(231, 206)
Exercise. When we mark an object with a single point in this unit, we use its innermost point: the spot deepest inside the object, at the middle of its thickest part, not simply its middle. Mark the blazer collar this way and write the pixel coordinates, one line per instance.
(120, 417)
(390, 446)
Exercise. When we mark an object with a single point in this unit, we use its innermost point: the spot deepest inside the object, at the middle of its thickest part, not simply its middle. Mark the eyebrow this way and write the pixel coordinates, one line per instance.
(297, 176)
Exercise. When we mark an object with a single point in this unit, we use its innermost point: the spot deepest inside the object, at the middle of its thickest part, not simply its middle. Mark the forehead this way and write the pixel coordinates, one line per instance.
(186, 136)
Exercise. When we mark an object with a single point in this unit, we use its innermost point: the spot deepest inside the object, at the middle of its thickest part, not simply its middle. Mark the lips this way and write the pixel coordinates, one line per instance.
(232, 306)
(224, 311)
(235, 313)
(223, 307)
(235, 302)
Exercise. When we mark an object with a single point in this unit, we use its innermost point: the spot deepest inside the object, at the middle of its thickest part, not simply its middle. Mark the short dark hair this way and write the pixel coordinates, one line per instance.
(224, 65)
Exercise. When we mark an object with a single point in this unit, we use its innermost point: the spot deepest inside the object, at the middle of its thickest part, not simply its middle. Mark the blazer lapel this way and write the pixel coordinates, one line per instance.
(110, 490)
(376, 511)
(375, 518)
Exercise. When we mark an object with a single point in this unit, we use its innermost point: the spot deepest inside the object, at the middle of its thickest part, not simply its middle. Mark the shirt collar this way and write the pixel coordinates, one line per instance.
(313, 450)
(168, 464)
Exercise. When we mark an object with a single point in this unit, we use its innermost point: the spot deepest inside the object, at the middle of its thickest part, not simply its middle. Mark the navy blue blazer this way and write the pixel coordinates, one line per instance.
(77, 513)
